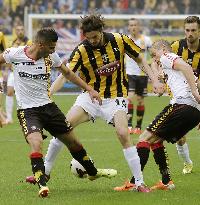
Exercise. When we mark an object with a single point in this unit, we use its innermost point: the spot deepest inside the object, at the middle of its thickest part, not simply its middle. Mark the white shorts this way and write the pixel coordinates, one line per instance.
(10, 81)
(106, 111)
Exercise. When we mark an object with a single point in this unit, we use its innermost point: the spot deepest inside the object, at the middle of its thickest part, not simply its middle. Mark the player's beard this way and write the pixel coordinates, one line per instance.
(191, 39)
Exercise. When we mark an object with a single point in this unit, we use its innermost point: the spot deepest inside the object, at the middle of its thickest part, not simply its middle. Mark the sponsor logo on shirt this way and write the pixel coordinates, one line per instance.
(35, 76)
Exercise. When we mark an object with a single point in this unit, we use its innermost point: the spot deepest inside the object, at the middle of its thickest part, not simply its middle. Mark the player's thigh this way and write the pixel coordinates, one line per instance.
(110, 107)
(89, 110)
(77, 115)
(30, 121)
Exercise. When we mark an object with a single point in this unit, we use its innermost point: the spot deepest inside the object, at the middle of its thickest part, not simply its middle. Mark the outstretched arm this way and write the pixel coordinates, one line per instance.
(157, 86)
(57, 84)
(2, 60)
(70, 75)
(186, 69)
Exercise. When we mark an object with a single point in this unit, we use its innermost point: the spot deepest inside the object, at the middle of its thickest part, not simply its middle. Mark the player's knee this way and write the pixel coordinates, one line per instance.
(122, 133)
(56, 142)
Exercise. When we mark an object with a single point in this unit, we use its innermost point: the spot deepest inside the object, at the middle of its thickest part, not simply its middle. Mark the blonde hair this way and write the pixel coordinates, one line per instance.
(162, 44)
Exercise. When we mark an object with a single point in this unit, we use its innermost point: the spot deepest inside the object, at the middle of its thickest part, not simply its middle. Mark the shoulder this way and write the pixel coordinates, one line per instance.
(167, 59)
(179, 43)
(14, 50)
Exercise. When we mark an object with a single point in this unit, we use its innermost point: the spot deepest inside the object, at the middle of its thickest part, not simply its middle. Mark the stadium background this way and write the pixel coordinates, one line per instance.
(160, 18)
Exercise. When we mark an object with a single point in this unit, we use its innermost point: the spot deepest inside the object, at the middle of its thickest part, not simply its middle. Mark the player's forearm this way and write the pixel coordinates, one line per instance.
(70, 75)
(57, 84)
(189, 75)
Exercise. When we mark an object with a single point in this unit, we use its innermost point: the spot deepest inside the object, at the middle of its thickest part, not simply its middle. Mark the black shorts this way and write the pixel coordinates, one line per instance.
(174, 122)
(48, 117)
(138, 84)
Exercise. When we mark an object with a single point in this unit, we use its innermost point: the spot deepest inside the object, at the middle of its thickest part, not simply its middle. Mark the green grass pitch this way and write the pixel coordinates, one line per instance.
(101, 143)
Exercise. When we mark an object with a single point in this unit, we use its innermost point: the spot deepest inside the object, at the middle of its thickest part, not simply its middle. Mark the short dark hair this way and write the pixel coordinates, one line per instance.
(192, 19)
(46, 35)
(92, 22)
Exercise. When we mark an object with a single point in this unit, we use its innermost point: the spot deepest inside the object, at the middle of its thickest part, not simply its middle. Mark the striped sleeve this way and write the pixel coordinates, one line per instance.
(131, 49)
(175, 47)
(75, 60)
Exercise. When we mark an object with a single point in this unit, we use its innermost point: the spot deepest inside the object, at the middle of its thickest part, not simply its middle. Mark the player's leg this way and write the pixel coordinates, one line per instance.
(31, 125)
(131, 95)
(79, 153)
(75, 116)
(10, 98)
(183, 152)
(141, 91)
(130, 111)
(130, 151)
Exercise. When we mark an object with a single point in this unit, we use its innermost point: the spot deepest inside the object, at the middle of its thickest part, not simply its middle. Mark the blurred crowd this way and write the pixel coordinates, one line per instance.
(12, 11)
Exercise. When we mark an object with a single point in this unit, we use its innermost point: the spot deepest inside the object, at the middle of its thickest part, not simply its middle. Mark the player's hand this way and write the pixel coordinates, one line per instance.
(94, 95)
(158, 88)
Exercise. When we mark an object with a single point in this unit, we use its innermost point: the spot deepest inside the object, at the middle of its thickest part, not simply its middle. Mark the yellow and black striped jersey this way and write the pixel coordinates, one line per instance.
(24, 42)
(87, 60)
(2, 42)
(193, 58)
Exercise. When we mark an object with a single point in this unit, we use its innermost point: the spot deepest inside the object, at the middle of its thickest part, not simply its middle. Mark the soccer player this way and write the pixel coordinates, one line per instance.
(189, 49)
(2, 48)
(20, 40)
(99, 59)
(36, 111)
(137, 79)
(183, 112)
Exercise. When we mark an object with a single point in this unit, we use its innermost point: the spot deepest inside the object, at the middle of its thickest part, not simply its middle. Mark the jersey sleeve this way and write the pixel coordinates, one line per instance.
(167, 60)
(56, 60)
(9, 54)
(175, 46)
(75, 60)
(131, 49)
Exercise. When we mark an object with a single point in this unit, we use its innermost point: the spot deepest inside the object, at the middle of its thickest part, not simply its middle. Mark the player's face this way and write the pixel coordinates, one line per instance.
(19, 31)
(192, 32)
(156, 54)
(133, 27)
(95, 38)
(46, 49)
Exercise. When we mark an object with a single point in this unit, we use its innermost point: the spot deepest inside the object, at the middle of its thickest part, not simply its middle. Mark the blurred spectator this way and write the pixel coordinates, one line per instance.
(187, 7)
(163, 7)
(79, 7)
(149, 7)
(51, 9)
(117, 8)
(6, 21)
(172, 8)
(20, 10)
(105, 7)
(67, 4)
(133, 8)
(92, 6)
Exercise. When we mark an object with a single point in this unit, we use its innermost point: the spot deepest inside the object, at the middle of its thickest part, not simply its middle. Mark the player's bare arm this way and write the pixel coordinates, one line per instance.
(186, 69)
(70, 75)
(2, 60)
(157, 86)
(57, 84)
